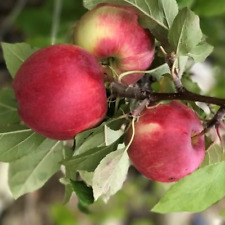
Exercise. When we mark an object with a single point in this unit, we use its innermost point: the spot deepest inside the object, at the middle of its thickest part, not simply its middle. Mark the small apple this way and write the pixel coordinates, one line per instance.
(60, 91)
(163, 148)
(113, 35)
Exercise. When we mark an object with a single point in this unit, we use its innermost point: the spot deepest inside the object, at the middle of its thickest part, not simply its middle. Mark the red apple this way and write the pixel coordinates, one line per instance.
(60, 91)
(113, 35)
(163, 148)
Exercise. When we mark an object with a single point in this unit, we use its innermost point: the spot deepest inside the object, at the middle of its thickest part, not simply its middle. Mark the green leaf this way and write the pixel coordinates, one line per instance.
(156, 15)
(185, 33)
(159, 71)
(215, 153)
(15, 55)
(31, 171)
(112, 135)
(185, 3)
(201, 51)
(170, 10)
(68, 189)
(181, 63)
(92, 146)
(209, 8)
(83, 192)
(88, 160)
(189, 84)
(166, 84)
(8, 107)
(86, 176)
(89, 139)
(195, 192)
(18, 143)
(96, 137)
(110, 174)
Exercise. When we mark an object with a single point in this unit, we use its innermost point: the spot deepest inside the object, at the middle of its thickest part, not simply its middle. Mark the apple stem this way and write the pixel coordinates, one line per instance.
(194, 138)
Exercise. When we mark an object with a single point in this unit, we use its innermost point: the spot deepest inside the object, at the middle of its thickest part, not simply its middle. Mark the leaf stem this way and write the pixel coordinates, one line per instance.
(133, 133)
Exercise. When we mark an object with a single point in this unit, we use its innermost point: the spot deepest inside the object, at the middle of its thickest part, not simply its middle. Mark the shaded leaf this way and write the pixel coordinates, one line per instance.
(96, 137)
(166, 84)
(8, 107)
(83, 192)
(88, 160)
(185, 3)
(189, 84)
(15, 55)
(195, 192)
(68, 189)
(90, 139)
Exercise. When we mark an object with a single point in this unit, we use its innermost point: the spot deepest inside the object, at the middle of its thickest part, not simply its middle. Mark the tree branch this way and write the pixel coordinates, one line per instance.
(119, 90)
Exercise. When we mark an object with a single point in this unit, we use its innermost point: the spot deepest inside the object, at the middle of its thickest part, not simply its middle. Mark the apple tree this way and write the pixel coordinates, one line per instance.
(118, 95)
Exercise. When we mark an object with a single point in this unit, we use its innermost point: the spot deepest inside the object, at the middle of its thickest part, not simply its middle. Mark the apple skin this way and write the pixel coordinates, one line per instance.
(111, 31)
(162, 148)
(60, 91)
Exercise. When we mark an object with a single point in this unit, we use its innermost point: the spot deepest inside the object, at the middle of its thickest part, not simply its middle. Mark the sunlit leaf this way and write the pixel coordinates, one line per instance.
(185, 32)
(195, 192)
(110, 174)
(201, 51)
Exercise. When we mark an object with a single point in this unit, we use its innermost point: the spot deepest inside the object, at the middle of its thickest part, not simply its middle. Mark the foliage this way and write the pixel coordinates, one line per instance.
(99, 156)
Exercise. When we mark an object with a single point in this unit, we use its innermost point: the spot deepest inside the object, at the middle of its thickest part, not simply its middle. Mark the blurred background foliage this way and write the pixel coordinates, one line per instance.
(32, 21)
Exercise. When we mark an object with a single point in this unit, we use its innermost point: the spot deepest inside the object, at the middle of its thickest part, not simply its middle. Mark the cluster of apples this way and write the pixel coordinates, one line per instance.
(60, 92)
